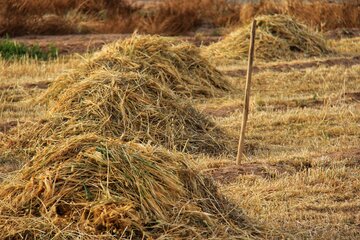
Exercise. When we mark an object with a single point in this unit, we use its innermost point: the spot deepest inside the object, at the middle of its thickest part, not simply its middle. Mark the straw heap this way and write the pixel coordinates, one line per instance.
(129, 106)
(89, 186)
(277, 37)
(133, 90)
(170, 62)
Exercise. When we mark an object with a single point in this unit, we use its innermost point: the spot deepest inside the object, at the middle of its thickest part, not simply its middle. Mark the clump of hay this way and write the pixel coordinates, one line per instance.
(129, 106)
(170, 62)
(277, 37)
(134, 90)
(89, 186)
(114, 96)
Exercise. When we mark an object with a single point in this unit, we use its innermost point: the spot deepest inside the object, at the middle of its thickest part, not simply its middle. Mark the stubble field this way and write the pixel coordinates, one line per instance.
(300, 175)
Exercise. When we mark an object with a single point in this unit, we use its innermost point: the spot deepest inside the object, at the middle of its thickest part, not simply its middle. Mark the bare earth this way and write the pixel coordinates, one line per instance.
(83, 43)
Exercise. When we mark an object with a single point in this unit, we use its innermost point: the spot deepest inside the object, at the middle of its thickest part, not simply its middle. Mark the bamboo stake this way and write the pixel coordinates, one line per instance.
(247, 93)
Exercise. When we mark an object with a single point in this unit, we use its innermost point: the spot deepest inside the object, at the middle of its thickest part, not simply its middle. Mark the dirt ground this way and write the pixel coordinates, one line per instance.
(82, 43)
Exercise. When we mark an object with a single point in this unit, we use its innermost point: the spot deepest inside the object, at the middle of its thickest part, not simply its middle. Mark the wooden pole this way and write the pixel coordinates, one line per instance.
(247, 93)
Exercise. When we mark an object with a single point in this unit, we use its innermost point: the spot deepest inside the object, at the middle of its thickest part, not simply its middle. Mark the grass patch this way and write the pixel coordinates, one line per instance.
(10, 50)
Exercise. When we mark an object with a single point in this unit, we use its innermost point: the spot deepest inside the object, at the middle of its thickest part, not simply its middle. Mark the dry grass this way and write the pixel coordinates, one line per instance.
(60, 16)
(22, 81)
(181, 16)
(129, 106)
(19, 17)
(300, 179)
(64, 16)
(87, 186)
(130, 91)
(320, 14)
(348, 46)
(277, 37)
(319, 202)
(174, 64)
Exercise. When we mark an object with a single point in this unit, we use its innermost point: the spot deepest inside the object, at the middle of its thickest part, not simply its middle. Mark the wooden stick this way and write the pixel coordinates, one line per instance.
(247, 93)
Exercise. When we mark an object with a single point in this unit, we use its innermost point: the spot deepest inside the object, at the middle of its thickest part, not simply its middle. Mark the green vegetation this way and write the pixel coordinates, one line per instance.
(10, 50)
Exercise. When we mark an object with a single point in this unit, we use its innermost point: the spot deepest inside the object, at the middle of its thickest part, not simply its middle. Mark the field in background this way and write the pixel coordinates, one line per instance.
(171, 17)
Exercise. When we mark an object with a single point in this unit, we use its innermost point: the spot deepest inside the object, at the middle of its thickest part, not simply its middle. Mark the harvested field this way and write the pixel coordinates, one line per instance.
(299, 64)
(138, 141)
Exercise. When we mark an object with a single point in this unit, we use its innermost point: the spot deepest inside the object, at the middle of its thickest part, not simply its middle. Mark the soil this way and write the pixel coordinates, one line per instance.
(342, 33)
(82, 43)
(351, 157)
(225, 111)
(283, 67)
(228, 174)
(353, 153)
(40, 85)
(222, 111)
(352, 95)
(4, 127)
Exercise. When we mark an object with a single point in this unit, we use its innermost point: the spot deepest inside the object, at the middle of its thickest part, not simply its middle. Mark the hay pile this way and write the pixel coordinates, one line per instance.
(93, 171)
(129, 106)
(277, 37)
(170, 62)
(132, 90)
(88, 187)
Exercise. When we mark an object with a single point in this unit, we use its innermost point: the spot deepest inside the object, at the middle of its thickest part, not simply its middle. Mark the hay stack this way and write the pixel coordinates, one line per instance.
(131, 89)
(88, 186)
(170, 62)
(129, 106)
(277, 37)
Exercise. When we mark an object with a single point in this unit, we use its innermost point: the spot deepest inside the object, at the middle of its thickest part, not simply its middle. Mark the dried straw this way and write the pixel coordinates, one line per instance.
(89, 186)
(131, 90)
(277, 37)
(171, 62)
(129, 106)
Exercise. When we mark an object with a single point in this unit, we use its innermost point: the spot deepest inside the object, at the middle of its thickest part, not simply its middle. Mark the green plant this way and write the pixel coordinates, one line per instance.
(10, 50)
